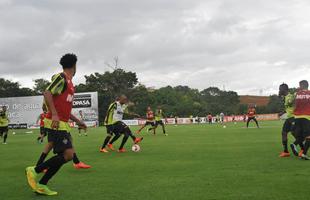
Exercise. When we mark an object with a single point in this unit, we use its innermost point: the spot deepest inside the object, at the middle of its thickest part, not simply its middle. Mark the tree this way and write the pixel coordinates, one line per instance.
(12, 89)
(40, 85)
(109, 85)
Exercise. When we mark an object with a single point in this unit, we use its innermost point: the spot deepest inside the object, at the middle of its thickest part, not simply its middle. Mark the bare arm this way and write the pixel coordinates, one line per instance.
(78, 122)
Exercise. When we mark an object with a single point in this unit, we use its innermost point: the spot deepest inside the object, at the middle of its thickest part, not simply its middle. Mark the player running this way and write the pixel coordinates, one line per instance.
(159, 117)
(41, 121)
(252, 116)
(81, 118)
(302, 117)
(4, 124)
(115, 126)
(150, 120)
(288, 125)
(58, 97)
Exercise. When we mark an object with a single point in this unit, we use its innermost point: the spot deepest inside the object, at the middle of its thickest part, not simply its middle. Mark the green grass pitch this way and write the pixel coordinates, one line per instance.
(194, 162)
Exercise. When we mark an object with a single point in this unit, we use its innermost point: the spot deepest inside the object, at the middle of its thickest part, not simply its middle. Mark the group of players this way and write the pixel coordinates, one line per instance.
(54, 122)
(58, 99)
(297, 107)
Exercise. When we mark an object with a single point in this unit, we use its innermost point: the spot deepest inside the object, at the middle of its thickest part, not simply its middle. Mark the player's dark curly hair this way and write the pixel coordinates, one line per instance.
(284, 86)
(304, 84)
(68, 60)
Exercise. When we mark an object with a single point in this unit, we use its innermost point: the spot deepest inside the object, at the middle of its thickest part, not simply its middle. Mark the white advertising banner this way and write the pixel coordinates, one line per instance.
(24, 112)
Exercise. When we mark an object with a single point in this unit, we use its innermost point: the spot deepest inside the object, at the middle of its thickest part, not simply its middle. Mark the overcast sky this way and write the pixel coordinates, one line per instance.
(244, 45)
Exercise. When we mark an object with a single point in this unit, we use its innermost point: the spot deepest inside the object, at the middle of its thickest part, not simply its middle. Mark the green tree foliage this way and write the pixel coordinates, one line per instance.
(40, 85)
(12, 89)
(181, 101)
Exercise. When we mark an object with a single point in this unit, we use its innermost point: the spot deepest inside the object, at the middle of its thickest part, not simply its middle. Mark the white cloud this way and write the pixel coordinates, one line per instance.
(245, 45)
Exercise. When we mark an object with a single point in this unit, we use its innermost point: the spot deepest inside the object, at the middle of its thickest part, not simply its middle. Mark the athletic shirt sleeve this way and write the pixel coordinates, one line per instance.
(57, 85)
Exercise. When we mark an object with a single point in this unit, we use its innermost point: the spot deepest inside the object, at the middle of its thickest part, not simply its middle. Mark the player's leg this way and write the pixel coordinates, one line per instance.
(162, 124)
(286, 128)
(256, 122)
(142, 127)
(248, 121)
(107, 138)
(306, 134)
(48, 147)
(5, 134)
(64, 152)
(77, 164)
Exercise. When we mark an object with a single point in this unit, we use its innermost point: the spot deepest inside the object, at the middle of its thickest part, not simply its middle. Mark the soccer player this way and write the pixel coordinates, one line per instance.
(150, 120)
(302, 117)
(159, 116)
(58, 97)
(115, 126)
(42, 129)
(81, 118)
(4, 124)
(222, 116)
(289, 122)
(252, 116)
(209, 118)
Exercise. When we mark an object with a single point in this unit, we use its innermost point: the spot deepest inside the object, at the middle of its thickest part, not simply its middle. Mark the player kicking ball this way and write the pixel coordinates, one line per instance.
(116, 127)
(59, 98)
(288, 125)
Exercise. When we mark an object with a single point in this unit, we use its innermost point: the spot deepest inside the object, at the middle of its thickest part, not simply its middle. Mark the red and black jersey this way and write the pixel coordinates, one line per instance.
(302, 103)
(63, 101)
(251, 112)
(150, 115)
(209, 117)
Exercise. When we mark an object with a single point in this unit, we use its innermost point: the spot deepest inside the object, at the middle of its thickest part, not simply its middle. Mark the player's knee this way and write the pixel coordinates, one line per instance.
(68, 154)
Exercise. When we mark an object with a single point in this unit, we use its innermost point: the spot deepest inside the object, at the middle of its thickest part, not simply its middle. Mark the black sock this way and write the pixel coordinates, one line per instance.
(124, 141)
(132, 136)
(115, 138)
(49, 163)
(284, 143)
(75, 159)
(38, 138)
(41, 159)
(5, 137)
(106, 141)
(55, 164)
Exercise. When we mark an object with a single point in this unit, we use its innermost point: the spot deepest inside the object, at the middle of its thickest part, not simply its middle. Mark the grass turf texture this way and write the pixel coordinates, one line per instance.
(193, 162)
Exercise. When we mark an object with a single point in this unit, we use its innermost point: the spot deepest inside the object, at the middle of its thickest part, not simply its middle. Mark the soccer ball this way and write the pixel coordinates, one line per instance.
(224, 126)
(135, 148)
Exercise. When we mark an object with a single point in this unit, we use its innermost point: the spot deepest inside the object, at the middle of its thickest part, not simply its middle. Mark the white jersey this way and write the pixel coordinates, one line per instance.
(119, 112)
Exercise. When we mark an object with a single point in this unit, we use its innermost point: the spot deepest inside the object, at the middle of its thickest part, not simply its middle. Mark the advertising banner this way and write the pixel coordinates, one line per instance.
(25, 111)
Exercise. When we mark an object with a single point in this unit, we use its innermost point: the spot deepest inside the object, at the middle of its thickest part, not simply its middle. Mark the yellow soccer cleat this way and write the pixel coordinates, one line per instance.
(31, 177)
(44, 190)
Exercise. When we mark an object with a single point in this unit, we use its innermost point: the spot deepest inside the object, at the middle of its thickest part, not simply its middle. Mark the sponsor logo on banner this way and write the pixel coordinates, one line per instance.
(82, 101)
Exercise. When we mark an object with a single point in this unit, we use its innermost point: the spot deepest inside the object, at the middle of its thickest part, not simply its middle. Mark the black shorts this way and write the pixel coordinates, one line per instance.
(62, 140)
(149, 123)
(302, 127)
(4, 129)
(159, 122)
(289, 125)
(43, 131)
(117, 128)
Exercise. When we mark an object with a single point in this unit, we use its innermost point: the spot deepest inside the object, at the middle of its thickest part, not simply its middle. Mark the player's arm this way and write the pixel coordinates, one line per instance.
(55, 88)
(80, 123)
(127, 112)
(38, 119)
